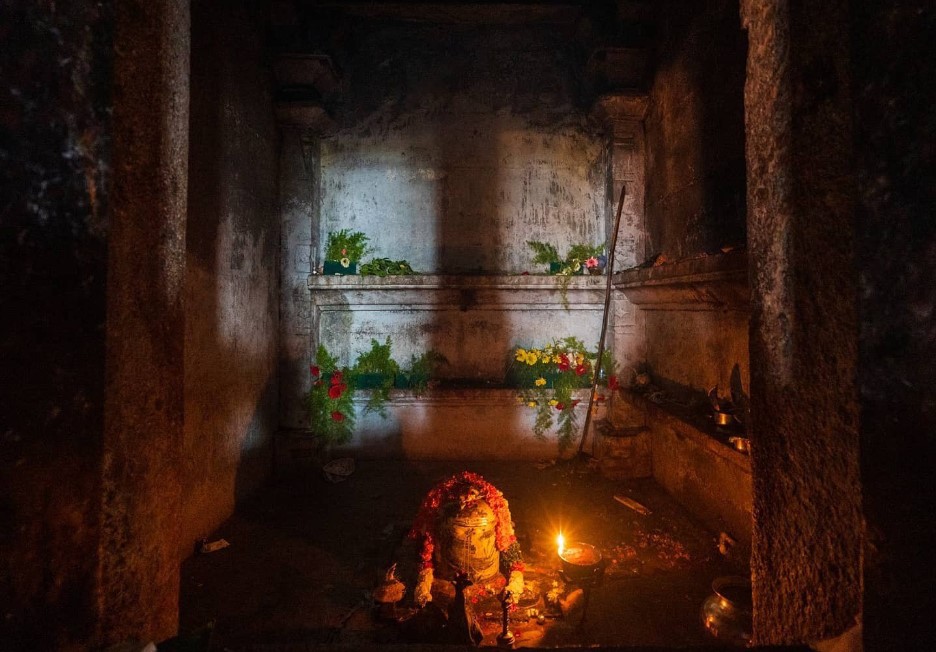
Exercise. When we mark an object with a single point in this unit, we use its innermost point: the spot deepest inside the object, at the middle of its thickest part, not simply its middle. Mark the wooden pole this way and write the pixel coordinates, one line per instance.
(604, 318)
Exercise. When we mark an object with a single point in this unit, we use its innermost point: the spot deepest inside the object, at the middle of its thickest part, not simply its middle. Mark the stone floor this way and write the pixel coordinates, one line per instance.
(305, 552)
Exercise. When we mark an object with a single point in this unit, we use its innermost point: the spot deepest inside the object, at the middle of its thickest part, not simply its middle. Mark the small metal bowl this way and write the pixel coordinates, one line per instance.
(723, 418)
(742, 444)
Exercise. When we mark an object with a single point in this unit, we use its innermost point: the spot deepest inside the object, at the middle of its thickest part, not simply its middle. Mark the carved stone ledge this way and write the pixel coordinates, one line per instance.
(308, 116)
(625, 105)
(706, 283)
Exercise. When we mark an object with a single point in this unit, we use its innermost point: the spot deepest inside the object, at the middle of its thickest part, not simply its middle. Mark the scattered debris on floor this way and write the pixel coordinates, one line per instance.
(205, 546)
(339, 470)
(725, 543)
(632, 504)
(292, 579)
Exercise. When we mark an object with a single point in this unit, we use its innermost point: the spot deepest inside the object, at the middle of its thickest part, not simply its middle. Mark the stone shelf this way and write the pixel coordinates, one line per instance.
(691, 425)
(473, 320)
(705, 283)
(583, 292)
(692, 460)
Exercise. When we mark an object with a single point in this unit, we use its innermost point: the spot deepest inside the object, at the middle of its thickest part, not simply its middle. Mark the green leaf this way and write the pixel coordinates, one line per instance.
(544, 253)
(346, 244)
(386, 267)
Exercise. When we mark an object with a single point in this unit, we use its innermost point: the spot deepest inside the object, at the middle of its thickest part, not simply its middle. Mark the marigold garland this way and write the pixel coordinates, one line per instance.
(427, 519)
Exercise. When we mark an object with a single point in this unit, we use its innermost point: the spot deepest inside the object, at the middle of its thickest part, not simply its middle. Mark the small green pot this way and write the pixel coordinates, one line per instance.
(335, 268)
(555, 267)
(409, 381)
(369, 381)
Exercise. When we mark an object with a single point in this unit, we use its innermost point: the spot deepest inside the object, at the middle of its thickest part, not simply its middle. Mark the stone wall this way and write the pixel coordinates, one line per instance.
(54, 161)
(695, 192)
(695, 198)
(456, 145)
(452, 146)
(231, 283)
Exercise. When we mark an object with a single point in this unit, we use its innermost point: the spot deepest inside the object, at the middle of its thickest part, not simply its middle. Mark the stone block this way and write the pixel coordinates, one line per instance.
(624, 454)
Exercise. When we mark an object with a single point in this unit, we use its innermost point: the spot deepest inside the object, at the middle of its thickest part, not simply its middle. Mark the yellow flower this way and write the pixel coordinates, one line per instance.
(556, 359)
(345, 262)
(579, 358)
(532, 358)
(531, 404)
(521, 355)
(540, 382)
(553, 402)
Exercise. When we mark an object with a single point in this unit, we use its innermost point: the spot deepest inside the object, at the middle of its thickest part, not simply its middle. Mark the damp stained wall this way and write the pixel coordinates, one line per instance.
(696, 183)
(456, 145)
(452, 147)
(232, 267)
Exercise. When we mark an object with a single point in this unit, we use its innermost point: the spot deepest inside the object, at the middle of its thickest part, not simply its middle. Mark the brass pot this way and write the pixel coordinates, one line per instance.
(727, 613)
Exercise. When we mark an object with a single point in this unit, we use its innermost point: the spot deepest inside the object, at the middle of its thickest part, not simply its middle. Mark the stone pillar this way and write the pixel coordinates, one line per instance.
(298, 215)
(624, 113)
(806, 551)
(138, 569)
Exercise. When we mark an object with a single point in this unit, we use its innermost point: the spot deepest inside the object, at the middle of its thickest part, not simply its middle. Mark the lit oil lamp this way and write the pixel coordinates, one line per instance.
(581, 562)
(583, 565)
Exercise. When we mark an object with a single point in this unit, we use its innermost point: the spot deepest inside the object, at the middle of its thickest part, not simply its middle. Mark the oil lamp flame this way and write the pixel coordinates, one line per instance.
(560, 543)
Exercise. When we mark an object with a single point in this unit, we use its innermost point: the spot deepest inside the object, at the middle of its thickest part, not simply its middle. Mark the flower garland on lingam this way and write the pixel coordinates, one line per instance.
(547, 377)
(456, 494)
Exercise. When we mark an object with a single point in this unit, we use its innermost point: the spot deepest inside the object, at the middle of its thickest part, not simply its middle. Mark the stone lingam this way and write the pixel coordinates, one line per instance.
(465, 529)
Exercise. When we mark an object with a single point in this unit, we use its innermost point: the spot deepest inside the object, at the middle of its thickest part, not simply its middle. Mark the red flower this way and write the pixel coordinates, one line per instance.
(335, 391)
(612, 382)
(336, 378)
(580, 370)
(337, 416)
(315, 370)
(563, 362)
(560, 406)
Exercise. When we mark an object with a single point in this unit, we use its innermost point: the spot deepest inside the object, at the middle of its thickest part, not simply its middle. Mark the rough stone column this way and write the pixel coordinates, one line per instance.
(301, 127)
(298, 215)
(138, 569)
(624, 113)
(806, 557)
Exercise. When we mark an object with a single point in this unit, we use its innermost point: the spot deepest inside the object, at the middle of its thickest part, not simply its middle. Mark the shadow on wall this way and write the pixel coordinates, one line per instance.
(231, 284)
(455, 145)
